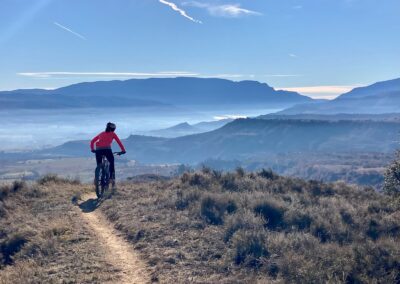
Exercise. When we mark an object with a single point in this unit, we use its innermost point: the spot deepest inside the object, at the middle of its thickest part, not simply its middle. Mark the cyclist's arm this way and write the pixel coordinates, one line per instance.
(119, 143)
(94, 140)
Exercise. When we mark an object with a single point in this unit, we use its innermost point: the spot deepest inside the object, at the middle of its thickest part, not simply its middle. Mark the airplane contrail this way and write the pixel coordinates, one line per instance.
(69, 30)
(179, 10)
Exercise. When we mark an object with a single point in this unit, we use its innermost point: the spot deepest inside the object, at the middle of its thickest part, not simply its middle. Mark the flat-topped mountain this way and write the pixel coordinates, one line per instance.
(181, 91)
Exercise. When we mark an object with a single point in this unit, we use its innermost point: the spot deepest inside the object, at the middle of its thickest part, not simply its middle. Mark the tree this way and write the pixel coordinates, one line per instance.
(392, 177)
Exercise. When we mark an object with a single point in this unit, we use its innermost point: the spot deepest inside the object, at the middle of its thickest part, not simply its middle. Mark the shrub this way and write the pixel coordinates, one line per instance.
(268, 174)
(228, 182)
(53, 178)
(373, 230)
(249, 247)
(3, 210)
(11, 245)
(16, 186)
(319, 189)
(297, 219)
(271, 211)
(240, 172)
(320, 230)
(241, 221)
(184, 198)
(199, 180)
(213, 208)
(392, 177)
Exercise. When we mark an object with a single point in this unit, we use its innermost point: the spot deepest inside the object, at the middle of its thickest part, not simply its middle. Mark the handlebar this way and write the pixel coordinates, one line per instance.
(114, 153)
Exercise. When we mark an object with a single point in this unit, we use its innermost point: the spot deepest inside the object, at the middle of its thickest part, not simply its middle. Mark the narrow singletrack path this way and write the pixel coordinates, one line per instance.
(120, 253)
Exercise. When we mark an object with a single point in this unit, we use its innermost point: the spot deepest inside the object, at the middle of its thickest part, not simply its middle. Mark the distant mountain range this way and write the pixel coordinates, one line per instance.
(183, 129)
(393, 117)
(247, 138)
(381, 97)
(179, 92)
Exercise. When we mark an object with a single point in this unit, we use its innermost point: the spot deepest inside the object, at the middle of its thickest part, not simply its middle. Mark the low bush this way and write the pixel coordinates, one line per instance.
(271, 211)
(249, 247)
(16, 186)
(213, 208)
(241, 221)
(185, 198)
(228, 181)
(297, 219)
(268, 174)
(10, 246)
(53, 178)
(392, 178)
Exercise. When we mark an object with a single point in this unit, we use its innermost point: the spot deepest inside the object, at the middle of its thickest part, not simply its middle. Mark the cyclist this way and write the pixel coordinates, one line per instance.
(103, 148)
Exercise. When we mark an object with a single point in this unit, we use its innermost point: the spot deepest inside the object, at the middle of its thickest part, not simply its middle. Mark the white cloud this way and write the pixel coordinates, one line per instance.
(229, 116)
(106, 74)
(283, 75)
(225, 10)
(322, 92)
(292, 55)
(70, 31)
(179, 10)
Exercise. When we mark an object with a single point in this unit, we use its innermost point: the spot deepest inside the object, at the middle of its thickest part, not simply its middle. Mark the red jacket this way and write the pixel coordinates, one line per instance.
(104, 140)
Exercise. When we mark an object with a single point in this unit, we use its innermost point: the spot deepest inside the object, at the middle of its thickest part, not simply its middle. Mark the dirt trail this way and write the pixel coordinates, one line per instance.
(120, 253)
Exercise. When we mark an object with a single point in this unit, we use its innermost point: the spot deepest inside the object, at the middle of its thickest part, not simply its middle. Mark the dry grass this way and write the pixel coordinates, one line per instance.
(205, 227)
(42, 238)
(246, 227)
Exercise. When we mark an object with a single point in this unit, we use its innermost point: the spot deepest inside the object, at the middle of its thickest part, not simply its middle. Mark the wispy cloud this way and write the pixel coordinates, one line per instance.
(283, 75)
(292, 55)
(180, 11)
(122, 75)
(70, 31)
(322, 92)
(229, 116)
(297, 7)
(225, 10)
(49, 75)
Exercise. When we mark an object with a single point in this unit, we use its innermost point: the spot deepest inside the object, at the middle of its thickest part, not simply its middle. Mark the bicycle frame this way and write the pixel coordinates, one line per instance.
(102, 176)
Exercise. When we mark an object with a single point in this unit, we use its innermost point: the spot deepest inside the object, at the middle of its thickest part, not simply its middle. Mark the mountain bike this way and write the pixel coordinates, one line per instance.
(102, 176)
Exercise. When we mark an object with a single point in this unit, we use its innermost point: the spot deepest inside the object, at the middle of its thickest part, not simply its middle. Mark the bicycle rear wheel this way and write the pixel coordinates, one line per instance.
(99, 173)
(105, 178)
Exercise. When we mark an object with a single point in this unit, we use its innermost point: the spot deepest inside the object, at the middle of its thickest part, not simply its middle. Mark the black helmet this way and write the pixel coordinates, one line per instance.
(110, 127)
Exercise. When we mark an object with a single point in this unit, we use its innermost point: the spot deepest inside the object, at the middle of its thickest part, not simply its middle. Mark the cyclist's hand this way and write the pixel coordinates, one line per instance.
(93, 151)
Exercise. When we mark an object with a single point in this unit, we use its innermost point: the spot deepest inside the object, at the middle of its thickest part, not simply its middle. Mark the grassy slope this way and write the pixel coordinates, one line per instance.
(43, 239)
(207, 227)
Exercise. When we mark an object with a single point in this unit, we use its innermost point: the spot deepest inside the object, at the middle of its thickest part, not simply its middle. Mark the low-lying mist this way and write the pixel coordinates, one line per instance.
(36, 129)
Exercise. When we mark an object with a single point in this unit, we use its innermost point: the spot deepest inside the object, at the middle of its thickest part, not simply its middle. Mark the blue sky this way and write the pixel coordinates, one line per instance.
(319, 47)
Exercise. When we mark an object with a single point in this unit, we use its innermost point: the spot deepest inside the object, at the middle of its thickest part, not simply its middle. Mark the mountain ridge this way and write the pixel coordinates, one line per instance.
(179, 91)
